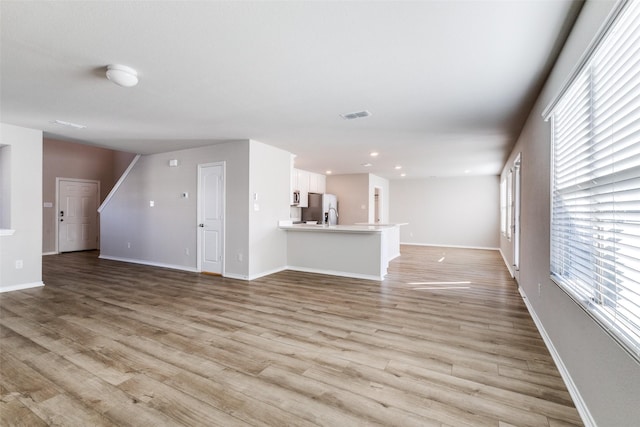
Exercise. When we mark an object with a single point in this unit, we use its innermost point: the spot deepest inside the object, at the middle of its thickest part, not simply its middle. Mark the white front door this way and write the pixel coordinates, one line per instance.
(211, 218)
(77, 215)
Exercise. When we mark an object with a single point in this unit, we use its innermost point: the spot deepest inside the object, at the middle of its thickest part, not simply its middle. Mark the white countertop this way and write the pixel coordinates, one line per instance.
(337, 228)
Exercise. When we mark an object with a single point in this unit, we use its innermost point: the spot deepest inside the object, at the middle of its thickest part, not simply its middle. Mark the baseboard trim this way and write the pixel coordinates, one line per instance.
(509, 267)
(336, 273)
(236, 276)
(150, 263)
(21, 287)
(266, 273)
(450, 246)
(49, 253)
(581, 406)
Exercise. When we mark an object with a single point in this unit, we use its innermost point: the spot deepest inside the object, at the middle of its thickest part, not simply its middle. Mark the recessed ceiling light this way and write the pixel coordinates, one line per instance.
(366, 165)
(355, 115)
(398, 167)
(329, 172)
(467, 171)
(374, 154)
(69, 124)
(122, 75)
(403, 175)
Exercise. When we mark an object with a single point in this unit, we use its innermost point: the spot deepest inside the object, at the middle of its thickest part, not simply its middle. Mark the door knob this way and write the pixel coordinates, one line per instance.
(61, 220)
(200, 225)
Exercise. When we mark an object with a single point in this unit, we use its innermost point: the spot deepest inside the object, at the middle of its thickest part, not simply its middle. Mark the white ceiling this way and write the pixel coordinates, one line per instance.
(449, 83)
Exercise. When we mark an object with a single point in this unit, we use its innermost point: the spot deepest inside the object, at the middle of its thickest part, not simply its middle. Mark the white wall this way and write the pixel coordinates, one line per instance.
(160, 234)
(456, 211)
(25, 212)
(269, 181)
(605, 376)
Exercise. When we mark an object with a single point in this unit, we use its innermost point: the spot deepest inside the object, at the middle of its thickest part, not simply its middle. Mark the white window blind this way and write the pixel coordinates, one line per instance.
(595, 212)
(503, 206)
(509, 203)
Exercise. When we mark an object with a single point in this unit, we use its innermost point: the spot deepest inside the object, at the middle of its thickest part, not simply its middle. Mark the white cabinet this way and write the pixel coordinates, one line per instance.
(294, 184)
(303, 186)
(300, 182)
(317, 183)
(306, 182)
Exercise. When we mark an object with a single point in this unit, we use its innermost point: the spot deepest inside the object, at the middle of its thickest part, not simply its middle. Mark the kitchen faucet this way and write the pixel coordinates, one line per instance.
(326, 214)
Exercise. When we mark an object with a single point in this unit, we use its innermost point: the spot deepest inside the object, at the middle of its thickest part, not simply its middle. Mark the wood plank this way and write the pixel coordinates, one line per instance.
(112, 343)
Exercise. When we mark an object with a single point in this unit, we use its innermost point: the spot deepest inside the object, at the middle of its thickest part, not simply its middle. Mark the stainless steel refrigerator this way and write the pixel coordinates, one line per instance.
(322, 208)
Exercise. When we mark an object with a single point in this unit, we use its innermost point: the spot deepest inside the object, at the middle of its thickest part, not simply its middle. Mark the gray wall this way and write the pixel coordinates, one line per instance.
(63, 159)
(25, 212)
(161, 235)
(5, 186)
(455, 211)
(605, 376)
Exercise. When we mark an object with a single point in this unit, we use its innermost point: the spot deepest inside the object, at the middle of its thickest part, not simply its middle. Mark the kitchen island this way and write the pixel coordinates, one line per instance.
(359, 251)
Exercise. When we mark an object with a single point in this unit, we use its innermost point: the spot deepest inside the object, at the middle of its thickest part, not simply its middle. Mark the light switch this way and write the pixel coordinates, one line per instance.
(185, 195)
(151, 203)
(47, 205)
(256, 207)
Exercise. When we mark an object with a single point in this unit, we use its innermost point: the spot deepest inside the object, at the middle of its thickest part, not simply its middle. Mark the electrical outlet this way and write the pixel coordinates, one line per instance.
(239, 257)
(186, 251)
(128, 245)
(539, 289)
(19, 264)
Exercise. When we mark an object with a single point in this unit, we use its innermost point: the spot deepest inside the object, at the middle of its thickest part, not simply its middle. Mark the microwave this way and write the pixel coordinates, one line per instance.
(296, 197)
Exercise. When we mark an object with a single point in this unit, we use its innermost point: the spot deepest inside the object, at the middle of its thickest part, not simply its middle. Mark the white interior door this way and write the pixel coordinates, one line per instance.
(77, 215)
(211, 218)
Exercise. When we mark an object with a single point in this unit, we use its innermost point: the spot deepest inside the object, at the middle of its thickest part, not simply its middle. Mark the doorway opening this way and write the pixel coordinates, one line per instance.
(377, 202)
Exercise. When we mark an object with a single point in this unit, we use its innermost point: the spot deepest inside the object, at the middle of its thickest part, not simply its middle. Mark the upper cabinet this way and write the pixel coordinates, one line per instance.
(317, 183)
(306, 182)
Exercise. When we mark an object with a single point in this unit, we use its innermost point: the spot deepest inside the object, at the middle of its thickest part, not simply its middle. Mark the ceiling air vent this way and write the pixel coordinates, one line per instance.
(356, 115)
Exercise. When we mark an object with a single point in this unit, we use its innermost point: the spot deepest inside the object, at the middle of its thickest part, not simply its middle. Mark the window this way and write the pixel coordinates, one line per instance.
(503, 206)
(506, 204)
(595, 206)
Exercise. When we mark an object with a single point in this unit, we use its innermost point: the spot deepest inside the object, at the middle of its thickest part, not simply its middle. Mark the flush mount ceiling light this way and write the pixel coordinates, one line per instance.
(355, 115)
(122, 75)
(374, 154)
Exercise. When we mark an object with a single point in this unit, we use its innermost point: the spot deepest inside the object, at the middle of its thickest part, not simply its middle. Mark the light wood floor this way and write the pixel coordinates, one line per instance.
(109, 343)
